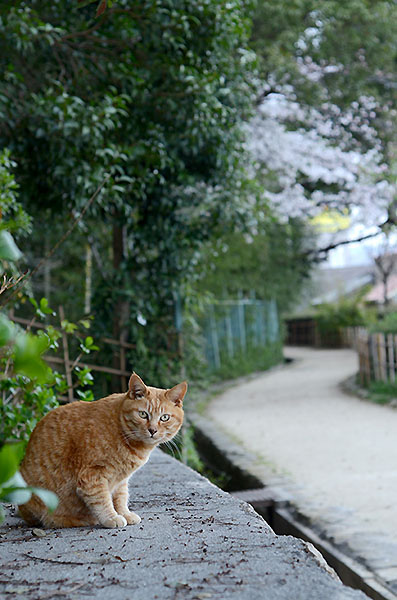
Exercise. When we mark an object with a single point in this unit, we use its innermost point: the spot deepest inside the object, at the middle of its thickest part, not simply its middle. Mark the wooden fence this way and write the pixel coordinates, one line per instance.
(68, 363)
(377, 354)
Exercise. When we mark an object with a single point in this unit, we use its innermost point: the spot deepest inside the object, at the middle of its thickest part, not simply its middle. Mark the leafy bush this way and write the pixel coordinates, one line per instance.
(255, 358)
(331, 318)
(386, 325)
(29, 388)
(14, 219)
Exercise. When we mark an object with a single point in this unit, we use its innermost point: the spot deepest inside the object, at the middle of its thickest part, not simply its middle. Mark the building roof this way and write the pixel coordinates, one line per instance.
(332, 284)
(376, 294)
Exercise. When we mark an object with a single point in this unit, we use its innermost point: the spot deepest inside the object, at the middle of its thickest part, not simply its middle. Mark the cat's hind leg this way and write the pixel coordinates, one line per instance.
(70, 512)
(68, 520)
(28, 515)
(120, 502)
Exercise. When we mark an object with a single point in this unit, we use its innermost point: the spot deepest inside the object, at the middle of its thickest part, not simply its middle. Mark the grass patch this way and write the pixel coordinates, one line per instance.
(251, 360)
(382, 392)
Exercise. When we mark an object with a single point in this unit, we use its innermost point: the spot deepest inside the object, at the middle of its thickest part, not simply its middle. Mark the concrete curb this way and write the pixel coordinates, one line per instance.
(195, 542)
(280, 507)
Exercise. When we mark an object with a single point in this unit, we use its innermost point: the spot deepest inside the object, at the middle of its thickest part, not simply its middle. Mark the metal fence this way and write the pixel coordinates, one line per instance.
(234, 327)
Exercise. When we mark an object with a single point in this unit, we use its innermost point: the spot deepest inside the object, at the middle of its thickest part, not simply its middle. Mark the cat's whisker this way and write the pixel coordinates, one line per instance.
(170, 448)
(173, 447)
(125, 426)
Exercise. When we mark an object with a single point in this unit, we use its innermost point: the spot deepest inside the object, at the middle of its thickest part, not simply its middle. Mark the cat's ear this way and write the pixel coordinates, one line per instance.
(177, 393)
(136, 387)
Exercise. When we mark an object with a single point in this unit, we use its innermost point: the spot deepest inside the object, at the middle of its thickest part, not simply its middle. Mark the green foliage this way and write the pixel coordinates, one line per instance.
(272, 264)
(154, 94)
(29, 388)
(13, 217)
(249, 361)
(357, 38)
(8, 248)
(360, 35)
(331, 318)
(388, 324)
(382, 392)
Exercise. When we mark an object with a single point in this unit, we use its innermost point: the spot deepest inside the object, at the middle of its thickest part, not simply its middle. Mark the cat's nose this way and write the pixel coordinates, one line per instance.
(152, 431)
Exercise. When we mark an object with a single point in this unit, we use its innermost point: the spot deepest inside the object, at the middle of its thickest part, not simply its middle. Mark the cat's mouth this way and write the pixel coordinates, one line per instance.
(154, 438)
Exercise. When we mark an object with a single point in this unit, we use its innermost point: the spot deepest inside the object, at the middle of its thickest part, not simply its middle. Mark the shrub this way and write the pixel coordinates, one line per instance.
(386, 325)
(29, 388)
(331, 318)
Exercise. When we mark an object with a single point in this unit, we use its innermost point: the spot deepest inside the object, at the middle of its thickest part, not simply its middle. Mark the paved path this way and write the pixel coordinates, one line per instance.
(338, 450)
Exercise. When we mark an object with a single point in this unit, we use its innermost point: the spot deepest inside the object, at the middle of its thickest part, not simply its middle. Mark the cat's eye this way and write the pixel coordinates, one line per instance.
(143, 414)
(165, 418)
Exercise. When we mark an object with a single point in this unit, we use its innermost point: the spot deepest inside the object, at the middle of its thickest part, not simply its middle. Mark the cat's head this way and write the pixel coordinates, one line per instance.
(152, 415)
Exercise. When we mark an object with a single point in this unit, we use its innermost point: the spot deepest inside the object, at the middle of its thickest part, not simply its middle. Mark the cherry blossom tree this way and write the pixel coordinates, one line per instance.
(311, 161)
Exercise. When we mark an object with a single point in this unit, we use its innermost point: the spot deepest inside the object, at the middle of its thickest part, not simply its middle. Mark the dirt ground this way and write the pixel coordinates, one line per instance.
(341, 450)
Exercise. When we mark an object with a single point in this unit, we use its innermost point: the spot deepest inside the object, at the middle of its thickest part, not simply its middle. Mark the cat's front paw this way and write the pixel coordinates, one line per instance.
(132, 518)
(116, 521)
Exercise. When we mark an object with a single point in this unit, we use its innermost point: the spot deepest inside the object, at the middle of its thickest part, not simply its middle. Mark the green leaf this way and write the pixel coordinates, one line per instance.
(27, 360)
(49, 498)
(16, 495)
(8, 248)
(10, 457)
(87, 396)
(45, 308)
(7, 330)
(68, 326)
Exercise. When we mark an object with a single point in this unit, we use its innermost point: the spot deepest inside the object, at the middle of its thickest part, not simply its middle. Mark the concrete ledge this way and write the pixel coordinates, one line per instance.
(277, 498)
(195, 542)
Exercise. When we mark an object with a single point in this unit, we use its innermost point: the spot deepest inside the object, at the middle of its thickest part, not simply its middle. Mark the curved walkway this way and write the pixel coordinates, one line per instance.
(340, 451)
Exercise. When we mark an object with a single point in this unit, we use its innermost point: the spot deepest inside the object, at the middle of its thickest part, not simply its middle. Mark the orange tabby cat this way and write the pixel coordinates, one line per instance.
(85, 452)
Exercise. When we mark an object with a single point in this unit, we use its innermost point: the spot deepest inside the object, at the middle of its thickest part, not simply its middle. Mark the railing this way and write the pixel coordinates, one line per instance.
(234, 327)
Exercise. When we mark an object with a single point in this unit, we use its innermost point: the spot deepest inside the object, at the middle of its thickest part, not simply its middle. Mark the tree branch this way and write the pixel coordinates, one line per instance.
(319, 251)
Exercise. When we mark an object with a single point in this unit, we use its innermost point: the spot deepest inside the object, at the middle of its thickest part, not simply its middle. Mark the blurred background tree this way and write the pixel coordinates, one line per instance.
(152, 93)
(221, 128)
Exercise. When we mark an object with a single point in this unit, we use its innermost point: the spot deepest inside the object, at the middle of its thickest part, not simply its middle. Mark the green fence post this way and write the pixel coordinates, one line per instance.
(214, 338)
(229, 335)
(241, 325)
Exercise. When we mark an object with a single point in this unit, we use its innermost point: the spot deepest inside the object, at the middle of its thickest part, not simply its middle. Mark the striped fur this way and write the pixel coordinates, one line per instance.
(85, 452)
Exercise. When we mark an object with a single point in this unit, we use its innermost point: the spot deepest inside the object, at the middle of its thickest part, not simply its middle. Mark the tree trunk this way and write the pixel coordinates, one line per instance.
(47, 271)
(88, 280)
(121, 311)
